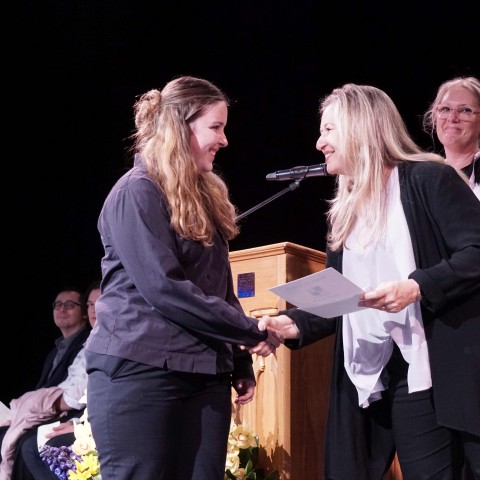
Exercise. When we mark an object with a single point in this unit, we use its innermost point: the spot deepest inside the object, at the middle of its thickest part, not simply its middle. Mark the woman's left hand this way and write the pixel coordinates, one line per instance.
(245, 388)
(391, 296)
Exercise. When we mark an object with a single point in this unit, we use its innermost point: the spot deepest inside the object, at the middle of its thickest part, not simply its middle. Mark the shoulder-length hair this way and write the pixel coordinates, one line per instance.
(471, 84)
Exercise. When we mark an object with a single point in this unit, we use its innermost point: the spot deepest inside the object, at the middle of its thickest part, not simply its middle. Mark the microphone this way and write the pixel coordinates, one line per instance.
(299, 173)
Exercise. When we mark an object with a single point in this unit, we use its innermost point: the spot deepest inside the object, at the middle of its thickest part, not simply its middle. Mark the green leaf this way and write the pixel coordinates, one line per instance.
(249, 467)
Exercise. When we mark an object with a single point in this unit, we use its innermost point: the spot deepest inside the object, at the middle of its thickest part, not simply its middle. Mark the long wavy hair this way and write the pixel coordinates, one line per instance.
(374, 138)
(471, 84)
(199, 202)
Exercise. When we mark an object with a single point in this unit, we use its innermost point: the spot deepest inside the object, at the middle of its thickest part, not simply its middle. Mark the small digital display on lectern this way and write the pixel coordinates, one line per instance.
(246, 285)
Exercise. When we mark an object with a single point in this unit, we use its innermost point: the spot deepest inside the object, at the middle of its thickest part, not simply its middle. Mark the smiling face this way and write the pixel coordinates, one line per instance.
(453, 132)
(92, 298)
(208, 135)
(329, 142)
(68, 313)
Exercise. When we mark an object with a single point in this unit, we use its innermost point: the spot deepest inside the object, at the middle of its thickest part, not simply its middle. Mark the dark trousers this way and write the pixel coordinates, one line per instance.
(471, 448)
(155, 424)
(426, 450)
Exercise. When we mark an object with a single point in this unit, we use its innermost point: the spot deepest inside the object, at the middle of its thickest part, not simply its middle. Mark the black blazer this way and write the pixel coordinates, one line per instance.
(61, 370)
(443, 217)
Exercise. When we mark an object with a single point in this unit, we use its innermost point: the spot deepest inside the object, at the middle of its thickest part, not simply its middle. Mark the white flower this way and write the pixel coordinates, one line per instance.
(84, 442)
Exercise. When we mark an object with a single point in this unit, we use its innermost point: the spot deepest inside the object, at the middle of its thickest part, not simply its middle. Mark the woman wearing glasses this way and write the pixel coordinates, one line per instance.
(454, 116)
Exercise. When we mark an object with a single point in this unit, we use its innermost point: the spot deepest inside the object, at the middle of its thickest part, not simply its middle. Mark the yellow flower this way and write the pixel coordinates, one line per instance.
(241, 437)
(233, 461)
(232, 449)
(239, 473)
(87, 469)
(242, 454)
(84, 446)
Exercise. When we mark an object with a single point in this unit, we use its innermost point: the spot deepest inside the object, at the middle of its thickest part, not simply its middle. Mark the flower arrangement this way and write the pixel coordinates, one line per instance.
(80, 460)
(242, 455)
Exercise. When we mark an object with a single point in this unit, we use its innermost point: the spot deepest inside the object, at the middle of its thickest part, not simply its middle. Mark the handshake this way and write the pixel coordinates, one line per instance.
(279, 329)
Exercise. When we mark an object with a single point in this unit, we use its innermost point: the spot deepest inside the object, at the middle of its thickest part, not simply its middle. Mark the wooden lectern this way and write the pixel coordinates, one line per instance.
(290, 406)
(289, 410)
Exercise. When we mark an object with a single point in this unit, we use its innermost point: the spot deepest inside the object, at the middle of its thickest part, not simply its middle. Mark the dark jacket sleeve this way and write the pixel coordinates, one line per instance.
(443, 215)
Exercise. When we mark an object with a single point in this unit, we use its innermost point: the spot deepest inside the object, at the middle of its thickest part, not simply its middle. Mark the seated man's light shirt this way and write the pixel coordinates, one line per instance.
(62, 345)
(76, 382)
(368, 334)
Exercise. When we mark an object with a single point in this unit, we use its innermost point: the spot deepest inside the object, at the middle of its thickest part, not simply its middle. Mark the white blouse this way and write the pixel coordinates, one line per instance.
(475, 182)
(368, 334)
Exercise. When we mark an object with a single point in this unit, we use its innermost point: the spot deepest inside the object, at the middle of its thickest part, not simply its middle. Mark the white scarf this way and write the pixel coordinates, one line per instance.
(368, 334)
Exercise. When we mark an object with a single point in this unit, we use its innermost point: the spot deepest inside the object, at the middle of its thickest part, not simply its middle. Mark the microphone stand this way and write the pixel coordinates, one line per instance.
(293, 186)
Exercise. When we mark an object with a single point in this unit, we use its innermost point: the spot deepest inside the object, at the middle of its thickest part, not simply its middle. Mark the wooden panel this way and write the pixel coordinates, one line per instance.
(290, 405)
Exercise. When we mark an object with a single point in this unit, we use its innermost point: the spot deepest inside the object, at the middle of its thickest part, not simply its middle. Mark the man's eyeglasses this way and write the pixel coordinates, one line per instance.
(463, 112)
(69, 305)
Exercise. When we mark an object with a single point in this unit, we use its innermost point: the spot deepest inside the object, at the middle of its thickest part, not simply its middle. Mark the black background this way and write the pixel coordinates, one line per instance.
(79, 65)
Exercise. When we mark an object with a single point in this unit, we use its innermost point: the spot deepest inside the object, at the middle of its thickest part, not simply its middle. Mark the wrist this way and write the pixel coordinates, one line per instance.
(418, 292)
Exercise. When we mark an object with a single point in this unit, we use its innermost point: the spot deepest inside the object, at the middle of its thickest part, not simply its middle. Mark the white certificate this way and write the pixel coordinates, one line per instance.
(326, 293)
(44, 430)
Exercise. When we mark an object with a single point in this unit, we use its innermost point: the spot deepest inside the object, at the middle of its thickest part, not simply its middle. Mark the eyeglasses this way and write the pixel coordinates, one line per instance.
(69, 305)
(463, 112)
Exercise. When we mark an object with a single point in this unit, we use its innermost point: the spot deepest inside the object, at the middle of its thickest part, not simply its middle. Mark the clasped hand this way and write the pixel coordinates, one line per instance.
(268, 346)
(278, 328)
(282, 325)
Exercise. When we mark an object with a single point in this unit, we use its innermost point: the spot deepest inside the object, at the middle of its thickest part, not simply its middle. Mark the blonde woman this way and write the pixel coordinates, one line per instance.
(406, 371)
(454, 116)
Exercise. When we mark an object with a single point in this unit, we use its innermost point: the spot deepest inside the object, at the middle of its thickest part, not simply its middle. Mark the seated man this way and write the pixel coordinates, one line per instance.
(70, 316)
(63, 368)
(28, 464)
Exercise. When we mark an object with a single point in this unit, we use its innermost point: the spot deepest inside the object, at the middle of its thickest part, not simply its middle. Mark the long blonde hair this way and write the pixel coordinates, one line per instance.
(199, 202)
(374, 139)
